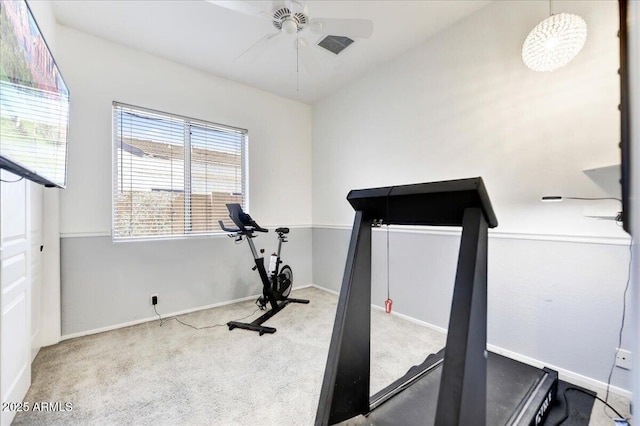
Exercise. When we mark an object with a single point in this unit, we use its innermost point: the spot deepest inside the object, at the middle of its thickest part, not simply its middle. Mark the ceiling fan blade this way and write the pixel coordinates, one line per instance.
(297, 6)
(260, 45)
(306, 56)
(360, 28)
(241, 7)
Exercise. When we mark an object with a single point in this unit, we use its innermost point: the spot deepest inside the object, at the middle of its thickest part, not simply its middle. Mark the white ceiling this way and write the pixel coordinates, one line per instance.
(210, 38)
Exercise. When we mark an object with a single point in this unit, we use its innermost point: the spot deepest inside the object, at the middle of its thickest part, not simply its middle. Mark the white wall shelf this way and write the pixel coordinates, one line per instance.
(607, 178)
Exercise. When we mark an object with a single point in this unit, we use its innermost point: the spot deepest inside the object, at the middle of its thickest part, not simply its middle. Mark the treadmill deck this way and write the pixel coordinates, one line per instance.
(516, 394)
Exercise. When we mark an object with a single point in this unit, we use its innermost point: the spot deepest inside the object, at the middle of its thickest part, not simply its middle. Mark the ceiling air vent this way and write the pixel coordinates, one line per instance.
(335, 44)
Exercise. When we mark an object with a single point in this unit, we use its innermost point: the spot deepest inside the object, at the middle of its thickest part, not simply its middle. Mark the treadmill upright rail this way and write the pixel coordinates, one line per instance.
(461, 385)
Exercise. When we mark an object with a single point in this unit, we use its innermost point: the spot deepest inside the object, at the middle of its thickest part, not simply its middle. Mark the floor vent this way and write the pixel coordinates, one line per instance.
(335, 44)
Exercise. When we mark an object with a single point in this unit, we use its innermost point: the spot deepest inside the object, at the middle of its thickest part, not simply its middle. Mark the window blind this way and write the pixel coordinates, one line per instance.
(173, 175)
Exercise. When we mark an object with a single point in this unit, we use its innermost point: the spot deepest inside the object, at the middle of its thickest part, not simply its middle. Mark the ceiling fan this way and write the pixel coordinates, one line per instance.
(292, 17)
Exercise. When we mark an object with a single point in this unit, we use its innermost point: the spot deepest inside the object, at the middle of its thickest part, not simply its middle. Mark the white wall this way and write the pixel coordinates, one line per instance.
(99, 72)
(115, 289)
(463, 104)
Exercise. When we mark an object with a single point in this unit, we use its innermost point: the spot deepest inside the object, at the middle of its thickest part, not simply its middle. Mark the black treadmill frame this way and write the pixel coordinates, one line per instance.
(462, 393)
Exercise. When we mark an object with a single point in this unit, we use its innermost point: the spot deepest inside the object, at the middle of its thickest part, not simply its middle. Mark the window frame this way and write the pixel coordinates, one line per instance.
(187, 123)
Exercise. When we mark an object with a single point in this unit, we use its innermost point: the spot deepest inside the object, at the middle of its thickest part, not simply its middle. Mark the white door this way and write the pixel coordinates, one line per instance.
(15, 296)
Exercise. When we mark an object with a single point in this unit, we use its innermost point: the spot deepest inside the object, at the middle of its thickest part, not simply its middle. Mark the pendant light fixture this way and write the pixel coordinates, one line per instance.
(554, 42)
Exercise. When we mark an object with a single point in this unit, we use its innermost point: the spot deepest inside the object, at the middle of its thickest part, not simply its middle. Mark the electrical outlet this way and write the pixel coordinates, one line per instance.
(153, 299)
(623, 359)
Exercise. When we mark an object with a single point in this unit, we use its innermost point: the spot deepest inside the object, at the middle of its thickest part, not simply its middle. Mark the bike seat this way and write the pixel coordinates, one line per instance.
(282, 230)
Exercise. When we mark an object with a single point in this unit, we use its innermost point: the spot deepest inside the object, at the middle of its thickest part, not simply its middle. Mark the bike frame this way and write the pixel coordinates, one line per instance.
(247, 228)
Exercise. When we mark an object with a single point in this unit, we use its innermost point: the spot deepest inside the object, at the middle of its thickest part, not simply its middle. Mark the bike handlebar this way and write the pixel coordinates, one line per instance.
(225, 229)
(246, 230)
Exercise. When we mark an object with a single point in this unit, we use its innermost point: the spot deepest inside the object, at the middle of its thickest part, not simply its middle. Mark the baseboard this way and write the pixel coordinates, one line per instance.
(325, 289)
(413, 320)
(164, 315)
(564, 374)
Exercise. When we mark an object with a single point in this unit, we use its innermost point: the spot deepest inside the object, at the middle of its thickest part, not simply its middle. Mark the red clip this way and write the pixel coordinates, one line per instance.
(387, 305)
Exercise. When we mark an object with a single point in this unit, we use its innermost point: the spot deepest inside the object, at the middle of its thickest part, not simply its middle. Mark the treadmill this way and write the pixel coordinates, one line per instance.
(463, 384)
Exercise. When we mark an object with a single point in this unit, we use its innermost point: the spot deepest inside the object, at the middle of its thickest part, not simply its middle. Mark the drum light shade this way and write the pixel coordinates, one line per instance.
(554, 42)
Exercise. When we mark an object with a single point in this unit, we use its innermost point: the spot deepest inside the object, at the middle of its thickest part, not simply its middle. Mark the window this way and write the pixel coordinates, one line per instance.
(172, 175)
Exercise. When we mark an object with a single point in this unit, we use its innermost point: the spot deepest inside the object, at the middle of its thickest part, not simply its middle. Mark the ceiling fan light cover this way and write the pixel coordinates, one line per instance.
(290, 26)
(554, 42)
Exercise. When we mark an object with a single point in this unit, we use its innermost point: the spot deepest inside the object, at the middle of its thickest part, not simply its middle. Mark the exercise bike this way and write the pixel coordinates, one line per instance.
(276, 282)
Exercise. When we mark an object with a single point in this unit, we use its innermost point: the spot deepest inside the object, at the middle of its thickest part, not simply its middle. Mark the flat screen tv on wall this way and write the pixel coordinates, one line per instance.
(34, 100)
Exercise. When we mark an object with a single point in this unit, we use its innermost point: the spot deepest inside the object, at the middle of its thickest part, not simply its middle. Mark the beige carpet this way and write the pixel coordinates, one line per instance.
(174, 375)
